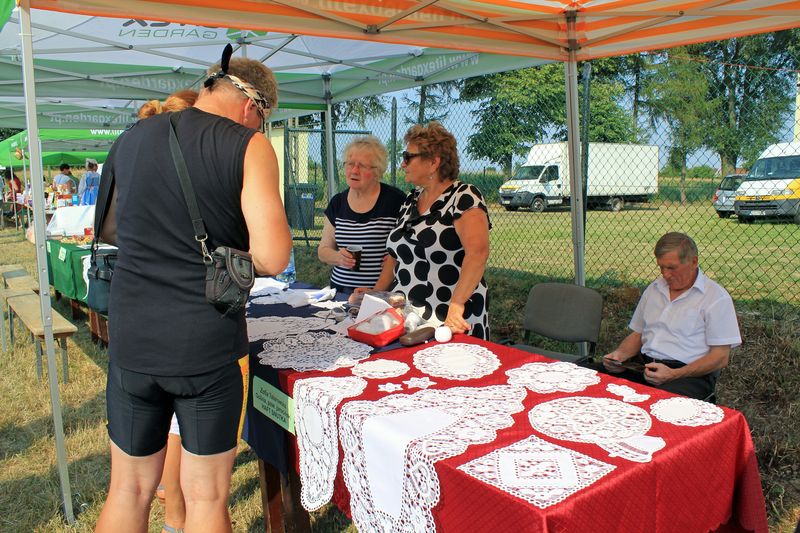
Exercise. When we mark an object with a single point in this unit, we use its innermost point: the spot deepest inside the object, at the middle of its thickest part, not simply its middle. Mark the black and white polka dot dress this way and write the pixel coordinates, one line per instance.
(429, 255)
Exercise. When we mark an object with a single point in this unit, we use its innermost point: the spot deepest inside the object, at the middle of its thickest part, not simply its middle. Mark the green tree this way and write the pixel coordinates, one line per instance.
(5, 133)
(749, 105)
(527, 106)
(677, 97)
(432, 102)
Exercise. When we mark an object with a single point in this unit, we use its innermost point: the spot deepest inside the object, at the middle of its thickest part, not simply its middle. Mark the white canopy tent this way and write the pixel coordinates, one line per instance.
(563, 30)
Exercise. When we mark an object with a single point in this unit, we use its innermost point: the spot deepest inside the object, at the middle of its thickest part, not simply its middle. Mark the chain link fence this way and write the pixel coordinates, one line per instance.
(670, 154)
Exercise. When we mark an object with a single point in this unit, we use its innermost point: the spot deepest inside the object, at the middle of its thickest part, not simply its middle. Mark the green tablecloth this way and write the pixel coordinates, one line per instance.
(65, 268)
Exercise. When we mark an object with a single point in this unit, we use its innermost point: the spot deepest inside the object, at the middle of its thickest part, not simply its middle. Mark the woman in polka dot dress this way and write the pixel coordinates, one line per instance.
(439, 248)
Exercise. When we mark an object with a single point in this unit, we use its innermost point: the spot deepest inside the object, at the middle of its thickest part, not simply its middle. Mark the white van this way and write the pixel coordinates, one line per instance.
(617, 173)
(772, 187)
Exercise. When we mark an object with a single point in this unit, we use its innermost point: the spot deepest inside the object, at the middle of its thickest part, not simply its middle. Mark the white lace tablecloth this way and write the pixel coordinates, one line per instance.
(275, 327)
(313, 351)
(315, 404)
(390, 447)
(552, 377)
(537, 471)
(457, 361)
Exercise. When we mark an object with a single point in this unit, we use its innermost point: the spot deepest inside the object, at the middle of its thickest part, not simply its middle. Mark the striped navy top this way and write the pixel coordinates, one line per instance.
(369, 230)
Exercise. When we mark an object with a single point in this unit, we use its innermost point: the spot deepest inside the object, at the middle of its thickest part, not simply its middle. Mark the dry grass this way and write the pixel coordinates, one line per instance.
(762, 383)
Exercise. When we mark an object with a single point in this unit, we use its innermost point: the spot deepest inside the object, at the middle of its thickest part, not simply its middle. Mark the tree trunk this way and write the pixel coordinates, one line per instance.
(683, 180)
(507, 166)
(423, 97)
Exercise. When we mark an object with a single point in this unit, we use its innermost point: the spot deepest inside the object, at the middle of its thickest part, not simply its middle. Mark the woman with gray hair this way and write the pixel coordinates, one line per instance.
(360, 218)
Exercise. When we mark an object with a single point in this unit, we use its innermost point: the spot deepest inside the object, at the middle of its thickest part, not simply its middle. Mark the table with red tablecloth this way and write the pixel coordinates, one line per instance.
(705, 477)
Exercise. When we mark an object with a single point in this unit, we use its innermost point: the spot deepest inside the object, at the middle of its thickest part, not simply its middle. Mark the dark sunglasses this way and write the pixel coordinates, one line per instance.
(408, 156)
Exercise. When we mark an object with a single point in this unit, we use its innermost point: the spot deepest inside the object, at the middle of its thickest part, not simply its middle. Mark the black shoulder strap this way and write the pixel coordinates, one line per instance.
(189, 196)
(105, 193)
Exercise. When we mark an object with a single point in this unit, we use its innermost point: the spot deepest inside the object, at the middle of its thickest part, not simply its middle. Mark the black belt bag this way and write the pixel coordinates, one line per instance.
(229, 272)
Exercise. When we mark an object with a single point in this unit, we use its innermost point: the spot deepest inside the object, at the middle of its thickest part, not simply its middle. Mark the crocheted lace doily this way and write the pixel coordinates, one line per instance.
(551, 377)
(315, 403)
(537, 471)
(275, 327)
(587, 419)
(446, 422)
(687, 412)
(627, 393)
(457, 361)
(380, 369)
(313, 351)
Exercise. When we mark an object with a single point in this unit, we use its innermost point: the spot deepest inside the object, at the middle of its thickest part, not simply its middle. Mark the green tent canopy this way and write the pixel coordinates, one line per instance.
(71, 146)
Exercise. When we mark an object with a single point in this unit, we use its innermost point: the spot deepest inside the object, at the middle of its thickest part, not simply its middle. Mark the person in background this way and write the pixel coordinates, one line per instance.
(362, 215)
(439, 247)
(90, 182)
(13, 185)
(64, 183)
(169, 490)
(171, 351)
(684, 326)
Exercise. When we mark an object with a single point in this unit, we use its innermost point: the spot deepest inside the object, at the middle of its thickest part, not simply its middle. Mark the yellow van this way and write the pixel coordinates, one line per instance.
(772, 187)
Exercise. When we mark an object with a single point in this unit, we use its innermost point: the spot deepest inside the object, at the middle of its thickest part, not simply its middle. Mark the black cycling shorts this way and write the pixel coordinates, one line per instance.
(208, 407)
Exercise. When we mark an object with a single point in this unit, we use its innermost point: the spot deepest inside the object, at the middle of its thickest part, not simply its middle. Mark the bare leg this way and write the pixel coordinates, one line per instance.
(206, 484)
(133, 480)
(175, 508)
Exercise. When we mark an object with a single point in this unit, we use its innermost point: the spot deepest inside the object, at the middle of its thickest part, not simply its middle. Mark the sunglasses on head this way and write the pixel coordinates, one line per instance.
(408, 156)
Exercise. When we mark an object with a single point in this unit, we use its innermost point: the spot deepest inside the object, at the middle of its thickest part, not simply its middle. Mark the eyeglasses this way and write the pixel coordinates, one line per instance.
(351, 165)
(408, 156)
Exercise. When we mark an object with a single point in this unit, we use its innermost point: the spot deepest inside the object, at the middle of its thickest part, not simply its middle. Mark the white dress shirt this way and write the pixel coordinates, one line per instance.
(684, 329)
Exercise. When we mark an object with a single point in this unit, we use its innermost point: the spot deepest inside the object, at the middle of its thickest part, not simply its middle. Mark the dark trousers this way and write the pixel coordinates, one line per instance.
(699, 387)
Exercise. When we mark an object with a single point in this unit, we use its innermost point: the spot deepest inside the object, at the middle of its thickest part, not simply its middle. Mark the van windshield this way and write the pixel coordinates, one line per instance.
(529, 173)
(771, 168)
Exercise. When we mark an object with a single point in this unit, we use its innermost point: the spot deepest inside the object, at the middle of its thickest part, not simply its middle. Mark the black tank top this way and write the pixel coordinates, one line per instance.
(159, 320)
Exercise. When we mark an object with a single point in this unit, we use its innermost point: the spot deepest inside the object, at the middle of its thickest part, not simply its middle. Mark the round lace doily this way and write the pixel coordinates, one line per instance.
(275, 327)
(315, 403)
(457, 361)
(586, 419)
(687, 412)
(551, 377)
(313, 351)
(380, 369)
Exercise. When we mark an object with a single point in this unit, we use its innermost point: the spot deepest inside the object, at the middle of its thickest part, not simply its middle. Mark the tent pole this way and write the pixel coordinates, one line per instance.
(41, 252)
(573, 140)
(330, 156)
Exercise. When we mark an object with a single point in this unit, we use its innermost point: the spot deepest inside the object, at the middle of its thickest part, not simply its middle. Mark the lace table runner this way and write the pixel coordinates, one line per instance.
(390, 447)
(457, 361)
(315, 404)
(313, 351)
(551, 377)
(275, 327)
(537, 471)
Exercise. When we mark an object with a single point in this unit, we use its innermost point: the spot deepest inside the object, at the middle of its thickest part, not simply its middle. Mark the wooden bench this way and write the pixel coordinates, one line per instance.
(5, 294)
(28, 309)
(14, 280)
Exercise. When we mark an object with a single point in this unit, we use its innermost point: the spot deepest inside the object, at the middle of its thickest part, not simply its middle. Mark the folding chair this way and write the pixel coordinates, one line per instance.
(563, 312)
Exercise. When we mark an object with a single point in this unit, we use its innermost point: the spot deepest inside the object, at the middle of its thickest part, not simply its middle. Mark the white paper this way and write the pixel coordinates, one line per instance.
(264, 286)
(369, 306)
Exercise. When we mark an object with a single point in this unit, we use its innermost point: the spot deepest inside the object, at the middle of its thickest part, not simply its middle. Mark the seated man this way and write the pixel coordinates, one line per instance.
(684, 326)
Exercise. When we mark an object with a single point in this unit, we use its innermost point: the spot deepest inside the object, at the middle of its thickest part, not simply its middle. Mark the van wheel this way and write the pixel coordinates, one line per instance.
(724, 214)
(616, 204)
(510, 208)
(745, 220)
(537, 206)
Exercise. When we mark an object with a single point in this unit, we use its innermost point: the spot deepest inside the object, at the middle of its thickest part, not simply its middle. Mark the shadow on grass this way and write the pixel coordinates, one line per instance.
(15, 439)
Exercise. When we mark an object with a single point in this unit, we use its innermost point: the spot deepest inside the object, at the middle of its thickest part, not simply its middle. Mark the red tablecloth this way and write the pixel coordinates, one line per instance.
(705, 477)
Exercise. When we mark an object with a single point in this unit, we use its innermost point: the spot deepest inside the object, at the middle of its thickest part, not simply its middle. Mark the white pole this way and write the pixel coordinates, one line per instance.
(41, 252)
(573, 142)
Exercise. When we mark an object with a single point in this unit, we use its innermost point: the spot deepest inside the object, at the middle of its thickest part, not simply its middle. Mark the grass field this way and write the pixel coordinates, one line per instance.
(762, 382)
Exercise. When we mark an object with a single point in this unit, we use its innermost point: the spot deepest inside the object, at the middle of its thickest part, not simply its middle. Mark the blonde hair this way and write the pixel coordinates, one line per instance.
(175, 102)
(433, 140)
(373, 145)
